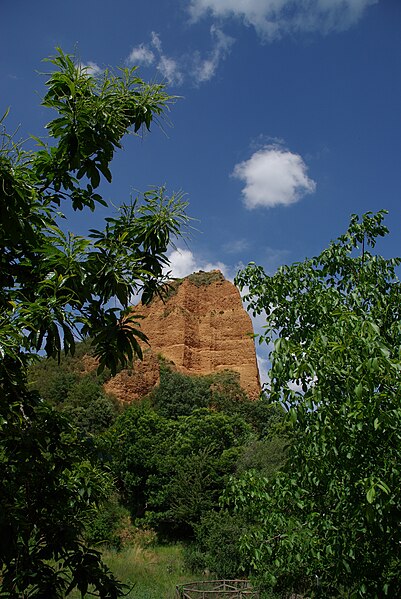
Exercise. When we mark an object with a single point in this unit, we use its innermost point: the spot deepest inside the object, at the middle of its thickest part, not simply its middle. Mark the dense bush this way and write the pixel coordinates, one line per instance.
(172, 472)
(179, 394)
(263, 455)
(75, 392)
(332, 514)
(106, 527)
(216, 549)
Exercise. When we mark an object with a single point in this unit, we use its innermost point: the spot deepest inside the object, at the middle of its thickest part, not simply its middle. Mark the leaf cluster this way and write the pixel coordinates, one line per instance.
(56, 285)
(171, 472)
(332, 514)
(55, 288)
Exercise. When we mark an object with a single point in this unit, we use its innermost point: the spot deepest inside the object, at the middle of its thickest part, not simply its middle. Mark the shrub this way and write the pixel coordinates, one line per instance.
(216, 548)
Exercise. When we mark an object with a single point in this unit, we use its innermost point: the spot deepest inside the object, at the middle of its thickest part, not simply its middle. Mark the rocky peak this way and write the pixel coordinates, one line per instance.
(201, 327)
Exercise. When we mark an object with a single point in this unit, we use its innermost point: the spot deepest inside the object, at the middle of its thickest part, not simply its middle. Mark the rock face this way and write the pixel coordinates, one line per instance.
(129, 385)
(201, 328)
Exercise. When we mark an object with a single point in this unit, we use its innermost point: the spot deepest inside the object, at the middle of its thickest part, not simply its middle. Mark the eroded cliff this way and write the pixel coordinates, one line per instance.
(201, 328)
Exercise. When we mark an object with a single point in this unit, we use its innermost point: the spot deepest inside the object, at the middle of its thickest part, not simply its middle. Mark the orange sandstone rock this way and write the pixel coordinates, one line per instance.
(202, 328)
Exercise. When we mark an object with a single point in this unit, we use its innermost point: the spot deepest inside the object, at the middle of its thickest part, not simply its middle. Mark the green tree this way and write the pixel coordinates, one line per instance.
(171, 472)
(217, 545)
(73, 387)
(178, 394)
(137, 445)
(55, 287)
(329, 521)
(201, 458)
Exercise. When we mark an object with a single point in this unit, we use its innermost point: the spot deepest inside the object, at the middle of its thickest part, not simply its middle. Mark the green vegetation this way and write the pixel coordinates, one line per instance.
(172, 472)
(150, 572)
(54, 288)
(179, 395)
(171, 456)
(201, 278)
(73, 387)
(300, 489)
(328, 522)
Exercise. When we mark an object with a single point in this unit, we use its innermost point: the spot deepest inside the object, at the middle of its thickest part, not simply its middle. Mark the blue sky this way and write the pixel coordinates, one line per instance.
(289, 118)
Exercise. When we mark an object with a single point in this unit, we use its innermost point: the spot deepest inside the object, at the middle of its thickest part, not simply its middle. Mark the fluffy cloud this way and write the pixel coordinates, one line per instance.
(183, 263)
(148, 54)
(273, 18)
(195, 67)
(273, 176)
(168, 66)
(141, 55)
(264, 367)
(92, 68)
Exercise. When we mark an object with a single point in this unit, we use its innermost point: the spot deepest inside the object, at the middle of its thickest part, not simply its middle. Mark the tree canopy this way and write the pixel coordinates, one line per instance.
(56, 287)
(328, 522)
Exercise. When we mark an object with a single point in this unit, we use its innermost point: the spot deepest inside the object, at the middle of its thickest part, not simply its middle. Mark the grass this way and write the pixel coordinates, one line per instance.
(155, 571)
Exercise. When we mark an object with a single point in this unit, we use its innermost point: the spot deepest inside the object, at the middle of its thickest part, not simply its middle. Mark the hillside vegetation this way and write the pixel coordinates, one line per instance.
(171, 455)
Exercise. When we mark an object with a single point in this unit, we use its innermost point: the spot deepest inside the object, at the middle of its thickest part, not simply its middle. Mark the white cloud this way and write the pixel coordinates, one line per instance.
(166, 65)
(141, 55)
(273, 176)
(156, 41)
(264, 368)
(183, 263)
(192, 66)
(273, 18)
(92, 68)
(170, 69)
(205, 68)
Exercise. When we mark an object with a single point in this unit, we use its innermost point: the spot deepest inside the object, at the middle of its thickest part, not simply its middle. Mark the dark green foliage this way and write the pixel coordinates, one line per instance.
(266, 456)
(332, 513)
(173, 461)
(58, 388)
(94, 417)
(228, 396)
(217, 546)
(179, 394)
(105, 525)
(54, 288)
(139, 442)
(50, 484)
(172, 472)
(76, 393)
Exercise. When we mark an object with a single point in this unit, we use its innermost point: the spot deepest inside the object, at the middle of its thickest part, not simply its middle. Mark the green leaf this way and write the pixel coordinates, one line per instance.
(371, 494)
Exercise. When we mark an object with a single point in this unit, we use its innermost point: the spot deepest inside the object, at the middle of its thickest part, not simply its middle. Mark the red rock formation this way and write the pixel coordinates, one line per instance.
(132, 384)
(201, 328)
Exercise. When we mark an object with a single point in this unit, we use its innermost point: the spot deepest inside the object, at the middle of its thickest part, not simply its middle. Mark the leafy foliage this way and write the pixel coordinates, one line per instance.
(75, 392)
(266, 456)
(331, 516)
(217, 545)
(54, 284)
(105, 527)
(179, 394)
(54, 288)
(49, 486)
(172, 472)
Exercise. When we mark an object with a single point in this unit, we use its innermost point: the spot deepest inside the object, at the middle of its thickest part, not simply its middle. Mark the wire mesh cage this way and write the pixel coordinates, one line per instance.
(217, 589)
